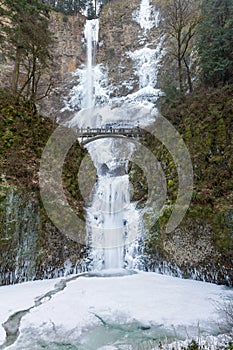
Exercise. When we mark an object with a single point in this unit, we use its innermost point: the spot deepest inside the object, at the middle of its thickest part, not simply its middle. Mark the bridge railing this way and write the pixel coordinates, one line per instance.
(92, 132)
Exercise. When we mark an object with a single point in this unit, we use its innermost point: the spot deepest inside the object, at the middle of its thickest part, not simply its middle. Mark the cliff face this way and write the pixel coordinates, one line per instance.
(202, 245)
(190, 251)
(118, 36)
(121, 34)
(68, 54)
(30, 245)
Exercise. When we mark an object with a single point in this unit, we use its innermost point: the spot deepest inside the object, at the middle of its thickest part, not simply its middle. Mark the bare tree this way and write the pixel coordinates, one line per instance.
(225, 310)
(180, 18)
(28, 39)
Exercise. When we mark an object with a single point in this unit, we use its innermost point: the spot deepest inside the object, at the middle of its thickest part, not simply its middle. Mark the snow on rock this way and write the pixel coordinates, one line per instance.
(146, 62)
(146, 16)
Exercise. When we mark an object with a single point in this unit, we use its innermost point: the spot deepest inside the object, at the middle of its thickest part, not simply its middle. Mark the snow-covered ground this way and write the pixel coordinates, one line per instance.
(98, 304)
(18, 297)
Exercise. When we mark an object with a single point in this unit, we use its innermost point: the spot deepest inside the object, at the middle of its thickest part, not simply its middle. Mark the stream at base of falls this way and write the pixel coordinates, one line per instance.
(116, 337)
(132, 336)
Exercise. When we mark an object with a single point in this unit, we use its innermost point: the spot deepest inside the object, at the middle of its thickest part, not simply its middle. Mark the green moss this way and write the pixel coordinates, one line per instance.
(111, 52)
(206, 126)
(139, 192)
(23, 136)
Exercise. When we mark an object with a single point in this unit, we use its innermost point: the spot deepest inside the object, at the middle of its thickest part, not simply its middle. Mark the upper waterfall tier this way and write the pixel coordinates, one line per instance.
(94, 99)
(91, 32)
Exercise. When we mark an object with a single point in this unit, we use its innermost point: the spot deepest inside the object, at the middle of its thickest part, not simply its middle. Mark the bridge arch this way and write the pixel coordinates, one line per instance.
(88, 135)
(98, 137)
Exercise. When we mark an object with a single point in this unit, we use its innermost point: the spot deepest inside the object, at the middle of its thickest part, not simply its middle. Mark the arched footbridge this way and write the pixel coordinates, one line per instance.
(87, 135)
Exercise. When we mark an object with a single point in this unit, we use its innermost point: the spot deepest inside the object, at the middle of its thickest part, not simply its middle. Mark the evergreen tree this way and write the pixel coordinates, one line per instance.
(91, 10)
(215, 42)
(79, 5)
(51, 3)
(72, 7)
(69, 7)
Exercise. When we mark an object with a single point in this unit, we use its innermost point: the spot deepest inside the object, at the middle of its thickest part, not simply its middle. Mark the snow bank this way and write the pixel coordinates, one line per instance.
(20, 297)
(147, 298)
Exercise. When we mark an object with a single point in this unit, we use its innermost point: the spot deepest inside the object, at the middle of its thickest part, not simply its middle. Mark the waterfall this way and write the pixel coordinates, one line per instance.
(106, 220)
(112, 220)
(114, 225)
(91, 35)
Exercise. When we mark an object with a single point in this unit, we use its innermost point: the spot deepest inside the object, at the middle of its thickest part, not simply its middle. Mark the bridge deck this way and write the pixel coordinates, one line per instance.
(90, 134)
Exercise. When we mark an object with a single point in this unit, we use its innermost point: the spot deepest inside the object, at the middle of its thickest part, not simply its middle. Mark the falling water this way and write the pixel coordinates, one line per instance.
(107, 221)
(91, 35)
(113, 222)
